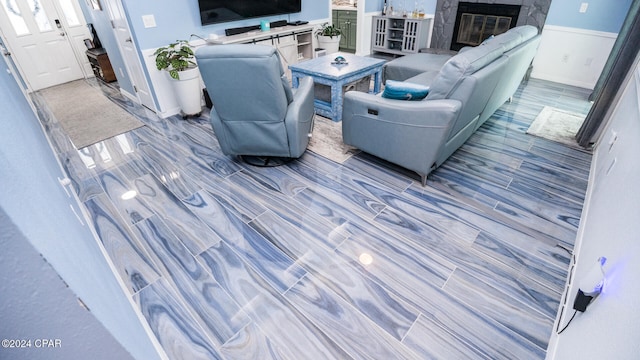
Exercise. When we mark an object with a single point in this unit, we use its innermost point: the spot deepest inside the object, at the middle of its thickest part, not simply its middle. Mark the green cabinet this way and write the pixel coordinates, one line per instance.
(346, 20)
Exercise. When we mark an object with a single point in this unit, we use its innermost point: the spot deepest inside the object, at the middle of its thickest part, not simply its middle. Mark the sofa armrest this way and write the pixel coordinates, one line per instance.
(407, 133)
(299, 118)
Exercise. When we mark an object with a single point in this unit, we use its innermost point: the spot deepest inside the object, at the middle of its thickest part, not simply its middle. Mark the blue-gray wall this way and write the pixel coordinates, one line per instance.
(601, 15)
(373, 5)
(32, 291)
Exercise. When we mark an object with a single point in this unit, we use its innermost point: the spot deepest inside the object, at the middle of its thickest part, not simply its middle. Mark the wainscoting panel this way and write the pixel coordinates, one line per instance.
(572, 56)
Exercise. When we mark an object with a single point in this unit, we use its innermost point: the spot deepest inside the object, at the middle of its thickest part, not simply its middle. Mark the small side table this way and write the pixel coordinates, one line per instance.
(101, 65)
(336, 76)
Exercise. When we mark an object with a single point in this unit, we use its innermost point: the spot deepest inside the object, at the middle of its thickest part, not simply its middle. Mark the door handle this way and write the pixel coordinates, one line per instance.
(62, 33)
(6, 53)
(128, 40)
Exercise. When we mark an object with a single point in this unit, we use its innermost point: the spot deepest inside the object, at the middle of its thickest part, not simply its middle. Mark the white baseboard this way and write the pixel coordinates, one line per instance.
(572, 56)
(562, 80)
(129, 96)
(168, 112)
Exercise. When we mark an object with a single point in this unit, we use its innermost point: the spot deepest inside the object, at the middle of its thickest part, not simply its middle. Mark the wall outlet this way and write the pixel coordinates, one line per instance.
(584, 7)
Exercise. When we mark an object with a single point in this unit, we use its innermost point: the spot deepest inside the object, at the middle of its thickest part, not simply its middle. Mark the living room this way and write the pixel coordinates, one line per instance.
(607, 325)
(571, 51)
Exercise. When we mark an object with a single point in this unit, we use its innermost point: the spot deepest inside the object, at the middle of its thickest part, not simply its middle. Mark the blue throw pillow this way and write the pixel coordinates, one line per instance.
(400, 90)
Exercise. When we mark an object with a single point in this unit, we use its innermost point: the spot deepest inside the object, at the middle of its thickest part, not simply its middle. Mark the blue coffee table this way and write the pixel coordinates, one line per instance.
(336, 76)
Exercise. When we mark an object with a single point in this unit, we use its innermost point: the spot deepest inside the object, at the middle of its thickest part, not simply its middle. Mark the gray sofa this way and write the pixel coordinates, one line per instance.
(465, 90)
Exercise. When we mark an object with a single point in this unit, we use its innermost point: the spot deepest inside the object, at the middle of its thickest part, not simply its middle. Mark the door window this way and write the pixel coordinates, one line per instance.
(17, 21)
(39, 15)
(69, 12)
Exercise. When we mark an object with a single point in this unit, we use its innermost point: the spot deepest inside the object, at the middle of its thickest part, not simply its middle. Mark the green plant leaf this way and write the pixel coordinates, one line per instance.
(175, 57)
(328, 30)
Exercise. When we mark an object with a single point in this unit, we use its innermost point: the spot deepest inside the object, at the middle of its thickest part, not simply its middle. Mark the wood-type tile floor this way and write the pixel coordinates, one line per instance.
(230, 261)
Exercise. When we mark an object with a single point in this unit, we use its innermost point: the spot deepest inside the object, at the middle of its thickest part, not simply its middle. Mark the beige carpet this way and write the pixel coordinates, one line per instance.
(86, 114)
(326, 140)
(557, 125)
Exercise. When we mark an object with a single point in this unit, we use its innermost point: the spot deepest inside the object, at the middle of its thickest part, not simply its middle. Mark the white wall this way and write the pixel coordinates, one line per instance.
(572, 56)
(610, 227)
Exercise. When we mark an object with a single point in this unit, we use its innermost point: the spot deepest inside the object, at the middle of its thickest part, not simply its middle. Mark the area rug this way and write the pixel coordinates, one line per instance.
(86, 114)
(326, 140)
(557, 125)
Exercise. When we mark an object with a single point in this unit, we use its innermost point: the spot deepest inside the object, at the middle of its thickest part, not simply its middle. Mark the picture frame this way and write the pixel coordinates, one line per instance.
(95, 4)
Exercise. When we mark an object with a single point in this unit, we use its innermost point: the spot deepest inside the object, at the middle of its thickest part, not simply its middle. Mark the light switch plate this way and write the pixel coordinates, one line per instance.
(149, 21)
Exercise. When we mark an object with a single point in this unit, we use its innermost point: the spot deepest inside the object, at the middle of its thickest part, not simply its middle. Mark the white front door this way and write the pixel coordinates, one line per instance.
(129, 52)
(41, 35)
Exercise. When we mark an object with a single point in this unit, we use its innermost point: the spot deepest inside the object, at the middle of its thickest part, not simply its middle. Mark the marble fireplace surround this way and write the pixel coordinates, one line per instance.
(532, 12)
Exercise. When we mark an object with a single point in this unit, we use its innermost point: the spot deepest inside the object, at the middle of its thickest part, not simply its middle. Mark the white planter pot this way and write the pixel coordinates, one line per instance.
(331, 44)
(187, 91)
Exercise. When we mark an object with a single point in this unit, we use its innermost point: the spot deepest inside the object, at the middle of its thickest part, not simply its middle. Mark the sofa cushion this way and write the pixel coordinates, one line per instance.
(426, 78)
(401, 90)
(516, 36)
(460, 66)
(526, 31)
(407, 66)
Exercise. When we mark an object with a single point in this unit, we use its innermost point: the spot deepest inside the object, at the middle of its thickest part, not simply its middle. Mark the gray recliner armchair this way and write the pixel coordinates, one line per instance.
(255, 115)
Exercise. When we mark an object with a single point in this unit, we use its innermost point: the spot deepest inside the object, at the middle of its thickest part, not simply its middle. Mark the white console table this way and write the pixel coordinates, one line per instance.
(295, 43)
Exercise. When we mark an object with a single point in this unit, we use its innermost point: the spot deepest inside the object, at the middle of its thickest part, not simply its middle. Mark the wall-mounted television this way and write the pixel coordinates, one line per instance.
(218, 11)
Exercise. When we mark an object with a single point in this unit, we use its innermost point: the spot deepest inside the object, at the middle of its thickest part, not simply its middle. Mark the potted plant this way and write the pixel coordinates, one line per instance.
(177, 59)
(329, 38)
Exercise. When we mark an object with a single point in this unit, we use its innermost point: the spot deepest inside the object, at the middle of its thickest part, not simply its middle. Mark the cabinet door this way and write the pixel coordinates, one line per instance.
(351, 35)
(379, 37)
(264, 42)
(288, 49)
(347, 22)
(289, 53)
(343, 24)
(411, 36)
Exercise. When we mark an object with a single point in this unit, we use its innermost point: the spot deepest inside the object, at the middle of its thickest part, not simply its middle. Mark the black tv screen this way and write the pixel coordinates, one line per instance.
(217, 11)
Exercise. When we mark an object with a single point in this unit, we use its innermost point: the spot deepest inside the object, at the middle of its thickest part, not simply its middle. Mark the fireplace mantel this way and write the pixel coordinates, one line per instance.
(532, 12)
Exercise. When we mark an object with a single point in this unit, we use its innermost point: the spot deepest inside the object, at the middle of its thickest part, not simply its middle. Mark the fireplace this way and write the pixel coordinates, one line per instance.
(475, 22)
(446, 25)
